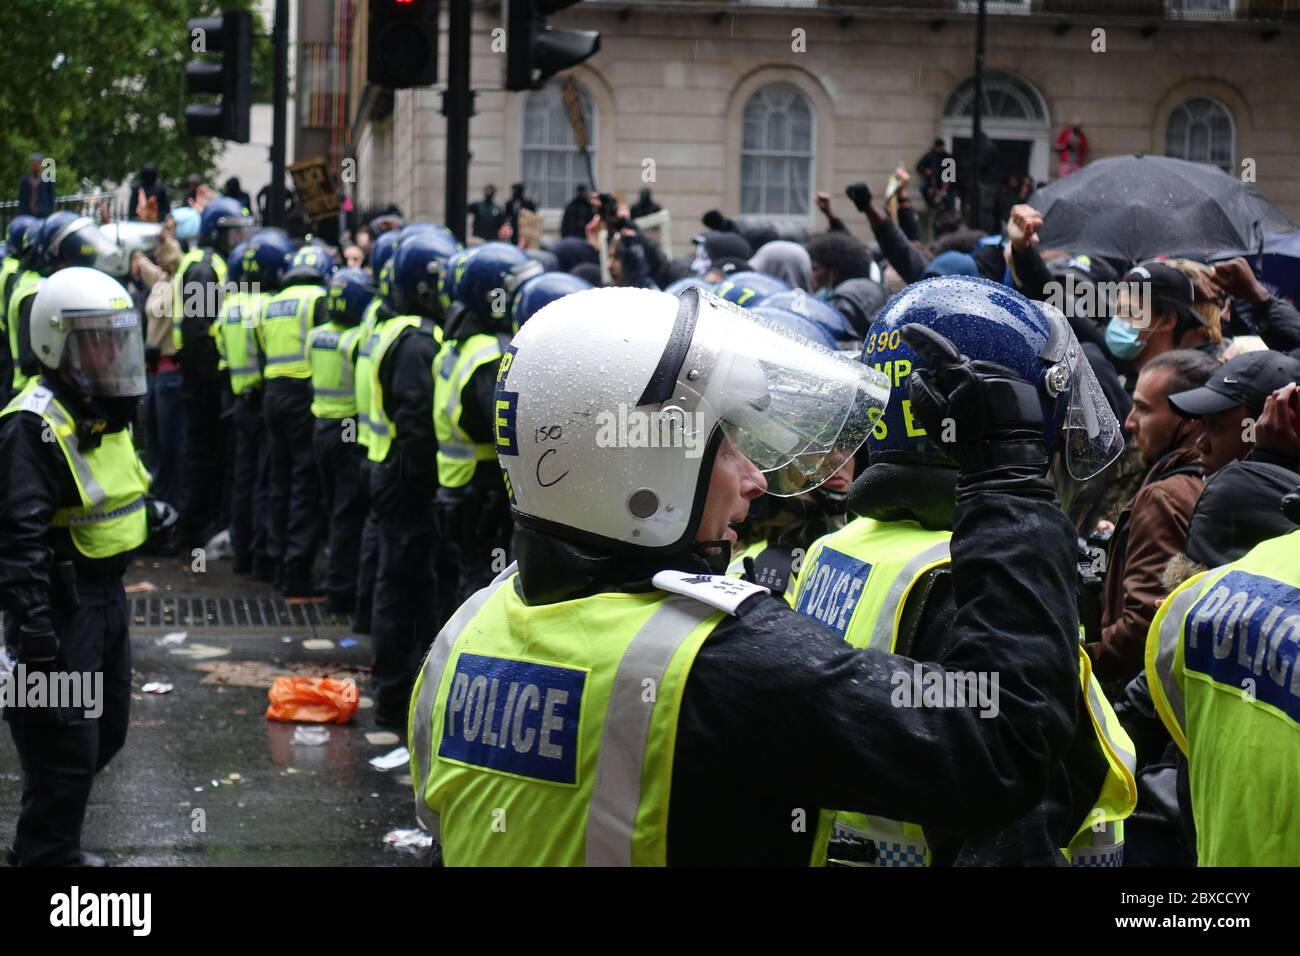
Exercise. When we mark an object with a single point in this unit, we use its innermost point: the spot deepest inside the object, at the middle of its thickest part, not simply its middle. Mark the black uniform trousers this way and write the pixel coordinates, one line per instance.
(368, 565)
(339, 458)
(61, 749)
(294, 497)
(249, 491)
(203, 466)
(405, 602)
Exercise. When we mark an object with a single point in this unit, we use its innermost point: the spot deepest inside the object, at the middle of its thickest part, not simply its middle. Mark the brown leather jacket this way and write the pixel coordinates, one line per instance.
(1151, 529)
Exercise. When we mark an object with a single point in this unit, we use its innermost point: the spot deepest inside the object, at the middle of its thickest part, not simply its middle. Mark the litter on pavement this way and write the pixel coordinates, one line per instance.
(394, 758)
(311, 736)
(408, 839)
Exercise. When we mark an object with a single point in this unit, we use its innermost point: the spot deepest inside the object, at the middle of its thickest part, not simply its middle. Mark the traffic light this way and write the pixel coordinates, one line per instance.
(231, 35)
(536, 51)
(403, 43)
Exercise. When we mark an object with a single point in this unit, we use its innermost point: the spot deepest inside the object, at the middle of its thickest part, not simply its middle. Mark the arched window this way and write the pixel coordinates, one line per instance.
(1201, 130)
(552, 165)
(1012, 114)
(1007, 97)
(776, 152)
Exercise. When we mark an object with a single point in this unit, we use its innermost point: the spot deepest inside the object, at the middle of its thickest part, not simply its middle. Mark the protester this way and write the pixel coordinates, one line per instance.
(1229, 405)
(645, 205)
(149, 201)
(35, 192)
(573, 224)
(488, 216)
(1153, 526)
(1071, 148)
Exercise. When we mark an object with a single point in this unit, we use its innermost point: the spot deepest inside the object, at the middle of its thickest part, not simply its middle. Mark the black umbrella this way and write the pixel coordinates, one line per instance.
(1130, 208)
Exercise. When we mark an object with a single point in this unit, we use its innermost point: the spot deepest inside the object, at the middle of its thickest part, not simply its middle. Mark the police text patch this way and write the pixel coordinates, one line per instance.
(831, 588)
(1245, 633)
(514, 717)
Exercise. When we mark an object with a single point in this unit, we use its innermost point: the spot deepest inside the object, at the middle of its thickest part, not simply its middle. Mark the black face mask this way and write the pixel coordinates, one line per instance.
(117, 412)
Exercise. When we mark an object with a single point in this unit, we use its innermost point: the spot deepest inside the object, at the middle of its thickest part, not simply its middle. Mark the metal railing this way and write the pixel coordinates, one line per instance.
(98, 205)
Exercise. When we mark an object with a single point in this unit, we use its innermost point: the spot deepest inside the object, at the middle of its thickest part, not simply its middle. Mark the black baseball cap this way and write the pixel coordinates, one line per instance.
(728, 251)
(1245, 380)
(1168, 286)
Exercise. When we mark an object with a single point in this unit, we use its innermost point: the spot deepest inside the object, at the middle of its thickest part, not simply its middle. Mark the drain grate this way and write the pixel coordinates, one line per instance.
(236, 613)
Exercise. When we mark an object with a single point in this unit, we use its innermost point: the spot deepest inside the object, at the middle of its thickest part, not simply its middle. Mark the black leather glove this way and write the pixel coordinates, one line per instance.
(983, 415)
(860, 195)
(37, 643)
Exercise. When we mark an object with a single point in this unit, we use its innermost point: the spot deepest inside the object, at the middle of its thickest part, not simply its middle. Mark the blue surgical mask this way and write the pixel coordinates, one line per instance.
(1122, 340)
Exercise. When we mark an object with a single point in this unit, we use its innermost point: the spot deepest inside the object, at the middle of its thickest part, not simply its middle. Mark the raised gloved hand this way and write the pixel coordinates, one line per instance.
(860, 195)
(37, 643)
(984, 416)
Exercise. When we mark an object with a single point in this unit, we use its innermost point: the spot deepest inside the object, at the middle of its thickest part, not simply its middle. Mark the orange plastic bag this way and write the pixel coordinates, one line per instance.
(315, 700)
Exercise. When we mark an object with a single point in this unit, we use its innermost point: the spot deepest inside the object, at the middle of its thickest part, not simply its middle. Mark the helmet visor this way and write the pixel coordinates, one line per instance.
(1090, 434)
(82, 244)
(104, 352)
(796, 409)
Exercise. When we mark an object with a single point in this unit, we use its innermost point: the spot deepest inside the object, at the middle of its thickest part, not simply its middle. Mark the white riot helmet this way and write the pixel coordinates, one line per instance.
(611, 404)
(83, 323)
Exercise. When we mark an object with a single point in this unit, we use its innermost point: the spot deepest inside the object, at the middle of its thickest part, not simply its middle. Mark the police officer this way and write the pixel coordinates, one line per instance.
(403, 475)
(10, 269)
(368, 564)
(72, 511)
(294, 496)
(540, 291)
(1222, 665)
(885, 580)
(780, 530)
(619, 703)
(197, 292)
(254, 274)
(473, 510)
(332, 351)
(60, 241)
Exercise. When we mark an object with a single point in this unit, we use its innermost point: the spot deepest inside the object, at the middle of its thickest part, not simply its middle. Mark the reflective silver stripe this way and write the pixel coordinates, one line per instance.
(335, 392)
(882, 634)
(283, 359)
(1171, 632)
(252, 349)
(421, 742)
(244, 369)
(85, 475)
(616, 792)
(93, 517)
(378, 426)
(457, 383)
(1094, 704)
(457, 450)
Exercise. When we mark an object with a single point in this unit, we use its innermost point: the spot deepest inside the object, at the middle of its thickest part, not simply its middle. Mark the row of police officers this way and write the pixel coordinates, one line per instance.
(612, 694)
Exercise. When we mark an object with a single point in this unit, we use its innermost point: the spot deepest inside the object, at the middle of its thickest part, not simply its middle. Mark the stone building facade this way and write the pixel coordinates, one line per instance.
(752, 106)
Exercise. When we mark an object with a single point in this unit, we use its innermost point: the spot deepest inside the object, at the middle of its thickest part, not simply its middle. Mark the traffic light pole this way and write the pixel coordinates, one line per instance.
(973, 214)
(275, 198)
(457, 106)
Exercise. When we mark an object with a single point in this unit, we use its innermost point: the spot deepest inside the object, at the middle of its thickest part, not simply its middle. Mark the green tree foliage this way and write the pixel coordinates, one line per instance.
(99, 86)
